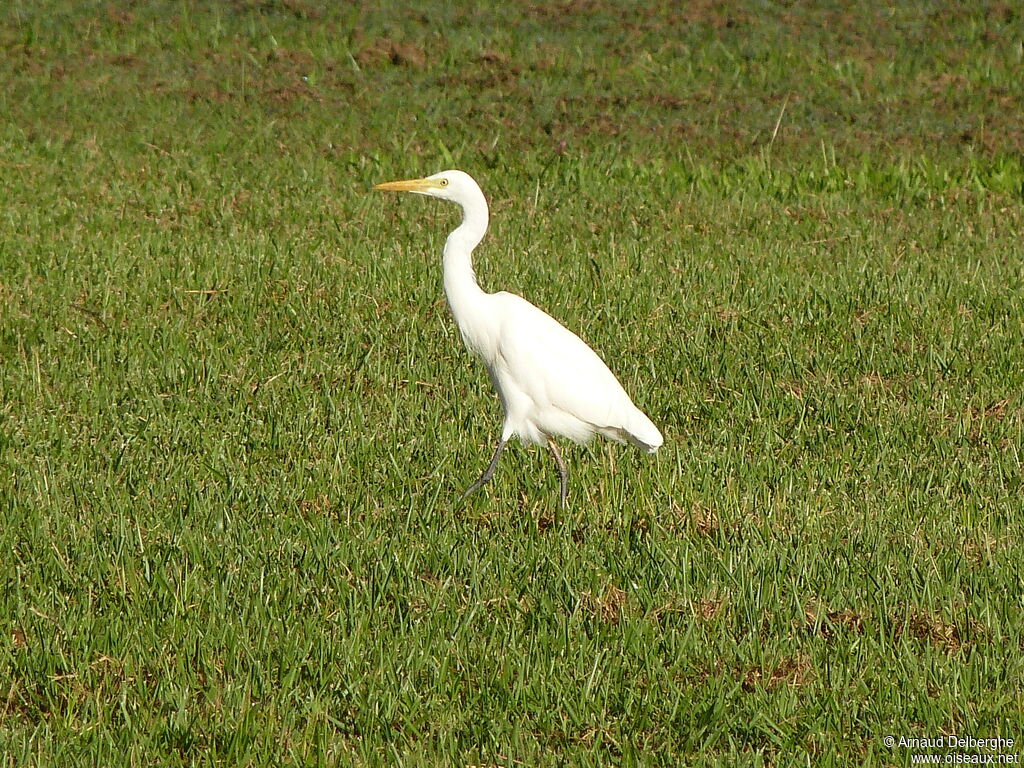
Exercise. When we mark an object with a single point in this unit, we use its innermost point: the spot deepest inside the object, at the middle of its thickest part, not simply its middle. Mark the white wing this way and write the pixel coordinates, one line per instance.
(562, 376)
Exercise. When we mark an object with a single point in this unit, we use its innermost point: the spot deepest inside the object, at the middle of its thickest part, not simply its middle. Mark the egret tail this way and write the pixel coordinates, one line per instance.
(641, 432)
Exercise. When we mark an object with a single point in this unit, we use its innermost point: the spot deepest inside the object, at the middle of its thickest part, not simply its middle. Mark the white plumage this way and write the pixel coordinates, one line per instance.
(549, 381)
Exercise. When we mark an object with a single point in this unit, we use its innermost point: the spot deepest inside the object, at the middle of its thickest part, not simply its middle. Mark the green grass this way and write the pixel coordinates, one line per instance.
(235, 417)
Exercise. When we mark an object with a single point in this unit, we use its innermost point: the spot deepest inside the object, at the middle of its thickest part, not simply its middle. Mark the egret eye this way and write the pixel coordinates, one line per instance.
(443, 182)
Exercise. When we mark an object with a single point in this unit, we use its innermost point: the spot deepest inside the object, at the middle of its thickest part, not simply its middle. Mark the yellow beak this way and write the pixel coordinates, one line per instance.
(409, 185)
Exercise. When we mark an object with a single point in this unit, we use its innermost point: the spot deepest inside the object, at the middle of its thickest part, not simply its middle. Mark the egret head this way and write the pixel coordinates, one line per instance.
(456, 186)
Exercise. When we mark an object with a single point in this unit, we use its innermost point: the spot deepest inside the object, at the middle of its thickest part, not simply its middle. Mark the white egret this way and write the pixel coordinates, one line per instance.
(549, 381)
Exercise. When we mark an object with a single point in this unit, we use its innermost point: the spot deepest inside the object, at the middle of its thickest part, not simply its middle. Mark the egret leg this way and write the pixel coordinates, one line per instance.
(563, 473)
(488, 473)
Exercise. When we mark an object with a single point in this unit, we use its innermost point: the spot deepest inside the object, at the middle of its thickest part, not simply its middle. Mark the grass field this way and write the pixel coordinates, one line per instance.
(236, 418)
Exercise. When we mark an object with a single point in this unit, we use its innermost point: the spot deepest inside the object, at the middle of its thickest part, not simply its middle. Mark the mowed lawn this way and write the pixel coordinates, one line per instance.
(236, 418)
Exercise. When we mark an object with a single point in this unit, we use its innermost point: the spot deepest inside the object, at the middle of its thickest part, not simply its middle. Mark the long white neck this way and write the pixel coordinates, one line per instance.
(465, 297)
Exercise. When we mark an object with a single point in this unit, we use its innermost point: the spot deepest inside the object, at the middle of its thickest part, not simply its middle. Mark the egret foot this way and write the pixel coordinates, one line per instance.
(563, 473)
(488, 473)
